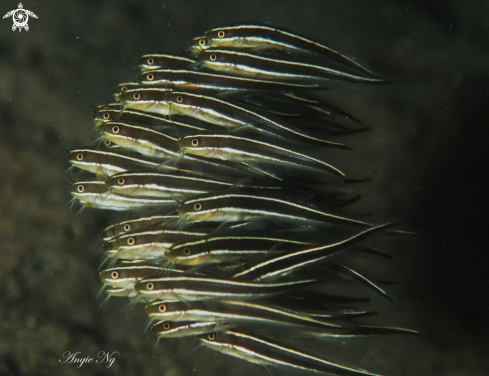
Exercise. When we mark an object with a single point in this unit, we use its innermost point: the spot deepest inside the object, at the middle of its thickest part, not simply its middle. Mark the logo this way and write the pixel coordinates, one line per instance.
(20, 17)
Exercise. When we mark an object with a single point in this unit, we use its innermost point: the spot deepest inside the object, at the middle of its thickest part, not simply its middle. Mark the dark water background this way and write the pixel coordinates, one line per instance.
(427, 152)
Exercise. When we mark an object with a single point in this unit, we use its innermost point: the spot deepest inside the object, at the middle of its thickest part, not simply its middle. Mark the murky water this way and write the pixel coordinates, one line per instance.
(425, 151)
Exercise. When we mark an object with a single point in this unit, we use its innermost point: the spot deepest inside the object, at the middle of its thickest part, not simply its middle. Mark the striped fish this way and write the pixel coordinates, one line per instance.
(259, 37)
(229, 115)
(192, 288)
(158, 61)
(265, 352)
(242, 207)
(246, 64)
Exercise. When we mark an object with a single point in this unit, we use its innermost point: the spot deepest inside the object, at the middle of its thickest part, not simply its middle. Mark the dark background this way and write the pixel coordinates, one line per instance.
(427, 152)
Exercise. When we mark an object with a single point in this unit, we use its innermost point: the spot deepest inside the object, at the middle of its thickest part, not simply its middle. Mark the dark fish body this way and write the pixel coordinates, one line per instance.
(140, 138)
(237, 206)
(107, 161)
(236, 148)
(282, 69)
(285, 264)
(229, 248)
(260, 37)
(265, 352)
(159, 61)
(184, 79)
(250, 313)
(193, 288)
(229, 115)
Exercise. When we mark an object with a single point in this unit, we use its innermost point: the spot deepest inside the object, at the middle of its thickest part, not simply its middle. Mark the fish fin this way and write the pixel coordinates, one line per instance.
(376, 252)
(345, 270)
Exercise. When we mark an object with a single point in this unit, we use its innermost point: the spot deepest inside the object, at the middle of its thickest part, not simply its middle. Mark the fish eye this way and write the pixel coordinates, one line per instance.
(150, 77)
(107, 143)
(150, 286)
(127, 227)
(162, 308)
(166, 325)
(194, 142)
(79, 156)
(151, 61)
(211, 336)
(121, 181)
(221, 34)
(187, 251)
(131, 241)
(136, 96)
(124, 88)
(114, 274)
(116, 129)
(202, 42)
(213, 57)
(81, 188)
(197, 206)
(106, 116)
(179, 99)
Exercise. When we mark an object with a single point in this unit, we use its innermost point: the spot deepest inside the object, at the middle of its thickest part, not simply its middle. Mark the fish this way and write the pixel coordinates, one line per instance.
(139, 223)
(126, 274)
(239, 312)
(145, 99)
(193, 288)
(246, 64)
(230, 248)
(265, 352)
(197, 45)
(191, 80)
(106, 162)
(229, 115)
(94, 194)
(150, 244)
(139, 138)
(260, 37)
(169, 329)
(157, 61)
(284, 264)
(179, 124)
(176, 184)
(252, 151)
(231, 206)
(120, 88)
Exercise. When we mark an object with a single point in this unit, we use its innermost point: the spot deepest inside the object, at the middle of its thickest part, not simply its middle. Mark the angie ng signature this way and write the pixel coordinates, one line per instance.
(103, 357)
